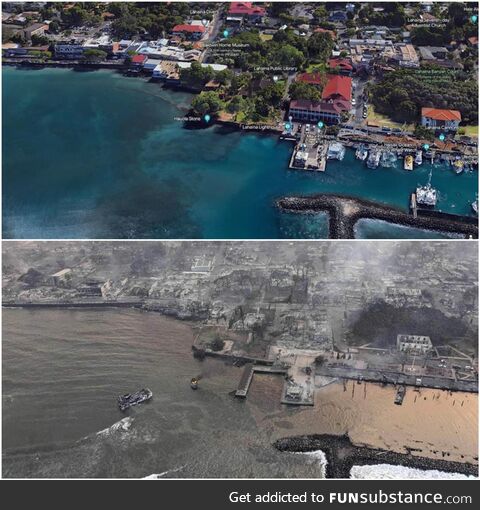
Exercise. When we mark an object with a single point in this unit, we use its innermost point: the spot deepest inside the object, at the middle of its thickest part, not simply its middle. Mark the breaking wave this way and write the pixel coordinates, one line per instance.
(156, 476)
(318, 457)
(391, 472)
(123, 425)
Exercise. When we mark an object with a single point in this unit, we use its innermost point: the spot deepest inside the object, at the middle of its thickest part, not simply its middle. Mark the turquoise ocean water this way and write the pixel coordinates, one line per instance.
(98, 155)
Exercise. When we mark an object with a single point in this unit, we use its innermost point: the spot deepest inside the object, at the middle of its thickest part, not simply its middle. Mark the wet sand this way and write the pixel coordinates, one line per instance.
(431, 423)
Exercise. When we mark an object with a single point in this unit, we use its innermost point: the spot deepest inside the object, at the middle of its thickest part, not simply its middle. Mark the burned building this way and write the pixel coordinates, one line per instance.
(414, 344)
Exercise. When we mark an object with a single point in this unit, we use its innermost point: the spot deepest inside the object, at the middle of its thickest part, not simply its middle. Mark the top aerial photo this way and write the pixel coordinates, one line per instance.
(241, 120)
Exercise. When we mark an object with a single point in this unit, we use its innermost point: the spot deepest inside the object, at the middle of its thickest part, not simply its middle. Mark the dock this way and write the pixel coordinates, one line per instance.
(245, 381)
(413, 204)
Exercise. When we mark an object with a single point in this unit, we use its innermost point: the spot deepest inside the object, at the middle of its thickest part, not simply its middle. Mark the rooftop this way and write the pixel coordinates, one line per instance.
(189, 28)
(338, 87)
(445, 115)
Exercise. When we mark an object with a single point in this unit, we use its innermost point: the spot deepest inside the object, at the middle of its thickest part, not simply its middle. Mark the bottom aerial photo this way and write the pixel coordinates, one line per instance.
(306, 359)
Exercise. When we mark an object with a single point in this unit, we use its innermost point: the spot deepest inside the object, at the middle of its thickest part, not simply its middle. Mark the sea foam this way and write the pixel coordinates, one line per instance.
(391, 472)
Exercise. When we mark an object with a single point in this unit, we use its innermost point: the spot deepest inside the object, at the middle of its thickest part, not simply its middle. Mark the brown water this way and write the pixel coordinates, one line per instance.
(63, 368)
(62, 372)
(432, 423)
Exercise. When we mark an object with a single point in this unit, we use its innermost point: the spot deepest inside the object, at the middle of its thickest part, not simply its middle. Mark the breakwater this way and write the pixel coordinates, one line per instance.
(345, 211)
(342, 454)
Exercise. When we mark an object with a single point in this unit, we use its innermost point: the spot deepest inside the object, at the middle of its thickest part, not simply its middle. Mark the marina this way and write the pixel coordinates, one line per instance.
(137, 191)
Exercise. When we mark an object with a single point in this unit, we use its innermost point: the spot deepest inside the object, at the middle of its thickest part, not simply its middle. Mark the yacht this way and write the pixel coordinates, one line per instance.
(336, 151)
(408, 162)
(418, 158)
(374, 158)
(426, 195)
(361, 153)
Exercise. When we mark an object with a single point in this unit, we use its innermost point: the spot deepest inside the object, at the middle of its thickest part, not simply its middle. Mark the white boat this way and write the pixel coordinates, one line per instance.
(361, 153)
(458, 166)
(408, 162)
(336, 151)
(475, 205)
(388, 159)
(418, 158)
(426, 195)
(374, 158)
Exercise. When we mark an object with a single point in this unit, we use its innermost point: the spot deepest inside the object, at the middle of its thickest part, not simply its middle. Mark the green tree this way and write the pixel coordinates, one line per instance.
(94, 55)
(207, 102)
(320, 46)
(301, 90)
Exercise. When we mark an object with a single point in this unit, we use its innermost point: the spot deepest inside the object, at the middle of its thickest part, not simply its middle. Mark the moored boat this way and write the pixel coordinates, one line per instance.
(361, 153)
(418, 158)
(408, 162)
(336, 151)
(374, 158)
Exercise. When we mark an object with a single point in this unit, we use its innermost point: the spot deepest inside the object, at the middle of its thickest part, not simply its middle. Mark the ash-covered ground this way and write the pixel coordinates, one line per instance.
(302, 295)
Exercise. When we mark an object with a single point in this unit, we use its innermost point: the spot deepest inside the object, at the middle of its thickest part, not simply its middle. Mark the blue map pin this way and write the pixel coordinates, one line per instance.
(206, 118)
(441, 137)
(225, 33)
(426, 146)
(288, 126)
(474, 18)
(320, 124)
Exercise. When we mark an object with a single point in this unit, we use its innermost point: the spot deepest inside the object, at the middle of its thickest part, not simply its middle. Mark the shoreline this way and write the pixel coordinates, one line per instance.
(344, 212)
(342, 455)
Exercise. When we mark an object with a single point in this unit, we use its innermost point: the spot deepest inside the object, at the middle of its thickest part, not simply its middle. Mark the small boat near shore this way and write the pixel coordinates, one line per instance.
(374, 158)
(408, 162)
(361, 153)
(132, 399)
(458, 166)
(426, 195)
(388, 159)
(475, 205)
(418, 158)
(336, 151)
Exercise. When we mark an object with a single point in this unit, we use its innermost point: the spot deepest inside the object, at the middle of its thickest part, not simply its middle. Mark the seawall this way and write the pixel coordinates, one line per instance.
(345, 211)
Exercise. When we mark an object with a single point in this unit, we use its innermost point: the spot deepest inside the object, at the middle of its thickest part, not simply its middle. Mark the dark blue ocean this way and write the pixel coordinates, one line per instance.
(98, 155)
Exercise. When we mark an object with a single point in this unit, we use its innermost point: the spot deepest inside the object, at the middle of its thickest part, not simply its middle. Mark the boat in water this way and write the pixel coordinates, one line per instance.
(458, 166)
(388, 159)
(361, 153)
(336, 151)
(408, 162)
(374, 158)
(418, 158)
(475, 205)
(426, 195)
(132, 399)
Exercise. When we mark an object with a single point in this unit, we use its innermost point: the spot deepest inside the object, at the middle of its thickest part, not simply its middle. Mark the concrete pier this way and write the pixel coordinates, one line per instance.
(345, 211)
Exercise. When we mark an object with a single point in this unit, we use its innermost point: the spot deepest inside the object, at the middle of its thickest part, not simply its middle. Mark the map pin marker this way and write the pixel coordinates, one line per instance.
(206, 118)
(204, 22)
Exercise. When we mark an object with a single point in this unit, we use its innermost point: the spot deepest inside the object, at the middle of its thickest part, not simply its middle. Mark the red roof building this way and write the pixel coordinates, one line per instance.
(139, 60)
(437, 114)
(312, 78)
(246, 9)
(194, 32)
(341, 64)
(318, 30)
(329, 112)
(441, 119)
(189, 28)
(338, 87)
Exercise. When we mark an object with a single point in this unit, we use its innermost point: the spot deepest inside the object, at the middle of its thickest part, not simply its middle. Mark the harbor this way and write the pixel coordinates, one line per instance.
(164, 181)
(345, 211)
